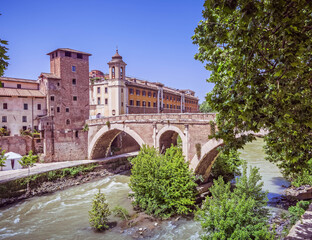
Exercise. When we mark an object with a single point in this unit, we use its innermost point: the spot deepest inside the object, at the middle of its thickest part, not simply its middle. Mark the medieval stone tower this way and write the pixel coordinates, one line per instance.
(116, 86)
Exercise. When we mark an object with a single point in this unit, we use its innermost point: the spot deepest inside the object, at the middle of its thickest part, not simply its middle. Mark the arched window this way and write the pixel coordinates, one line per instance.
(121, 72)
(113, 72)
(67, 121)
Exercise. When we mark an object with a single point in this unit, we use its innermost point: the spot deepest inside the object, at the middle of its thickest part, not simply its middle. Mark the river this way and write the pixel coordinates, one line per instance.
(64, 214)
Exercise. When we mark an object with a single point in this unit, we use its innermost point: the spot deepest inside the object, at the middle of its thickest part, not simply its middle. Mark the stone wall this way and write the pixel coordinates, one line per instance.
(17, 144)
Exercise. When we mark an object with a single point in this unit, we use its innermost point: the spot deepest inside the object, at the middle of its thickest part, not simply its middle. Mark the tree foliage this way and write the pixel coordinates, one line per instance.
(163, 185)
(260, 55)
(29, 160)
(2, 158)
(227, 165)
(236, 215)
(205, 107)
(99, 212)
(3, 57)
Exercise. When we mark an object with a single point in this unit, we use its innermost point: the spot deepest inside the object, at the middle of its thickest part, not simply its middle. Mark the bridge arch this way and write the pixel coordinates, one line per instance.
(102, 140)
(170, 132)
(209, 153)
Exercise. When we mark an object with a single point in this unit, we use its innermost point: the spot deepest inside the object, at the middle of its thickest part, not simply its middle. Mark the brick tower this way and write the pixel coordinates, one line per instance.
(67, 97)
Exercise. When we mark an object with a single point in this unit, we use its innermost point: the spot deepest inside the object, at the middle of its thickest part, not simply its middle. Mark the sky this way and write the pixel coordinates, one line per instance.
(153, 37)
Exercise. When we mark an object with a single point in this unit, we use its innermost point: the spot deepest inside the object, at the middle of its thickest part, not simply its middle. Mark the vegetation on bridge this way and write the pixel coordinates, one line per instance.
(259, 53)
(163, 185)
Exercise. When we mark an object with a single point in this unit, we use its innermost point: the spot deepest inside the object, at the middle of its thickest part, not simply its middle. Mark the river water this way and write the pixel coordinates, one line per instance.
(64, 214)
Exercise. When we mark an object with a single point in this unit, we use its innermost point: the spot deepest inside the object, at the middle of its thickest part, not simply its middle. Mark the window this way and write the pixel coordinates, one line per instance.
(121, 72)
(154, 104)
(137, 92)
(38, 106)
(131, 91)
(24, 128)
(170, 106)
(143, 93)
(58, 109)
(4, 119)
(52, 98)
(76, 134)
(138, 103)
(74, 81)
(74, 68)
(25, 106)
(106, 90)
(98, 90)
(164, 105)
(106, 101)
(154, 94)
(167, 105)
(67, 122)
(19, 86)
(79, 55)
(122, 90)
(170, 98)
(149, 104)
(173, 98)
(99, 101)
(58, 84)
(52, 55)
(173, 106)
(131, 102)
(52, 110)
(67, 54)
(5, 106)
(75, 98)
(24, 119)
(67, 109)
(143, 103)
(149, 94)
(113, 72)
(122, 104)
(55, 54)
(167, 97)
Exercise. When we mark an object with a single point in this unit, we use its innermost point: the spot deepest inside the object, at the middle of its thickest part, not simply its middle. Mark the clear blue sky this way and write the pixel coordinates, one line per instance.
(154, 37)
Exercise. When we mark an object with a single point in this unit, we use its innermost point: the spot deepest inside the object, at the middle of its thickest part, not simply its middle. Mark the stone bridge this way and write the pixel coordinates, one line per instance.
(126, 133)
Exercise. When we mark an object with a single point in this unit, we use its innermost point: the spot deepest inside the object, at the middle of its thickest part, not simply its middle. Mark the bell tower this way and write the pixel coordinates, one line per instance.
(116, 86)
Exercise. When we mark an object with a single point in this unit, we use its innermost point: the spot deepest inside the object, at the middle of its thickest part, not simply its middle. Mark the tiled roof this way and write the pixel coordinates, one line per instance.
(70, 50)
(18, 80)
(50, 75)
(20, 92)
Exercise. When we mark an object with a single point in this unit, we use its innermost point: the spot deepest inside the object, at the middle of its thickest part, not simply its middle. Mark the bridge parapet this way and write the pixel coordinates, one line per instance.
(172, 117)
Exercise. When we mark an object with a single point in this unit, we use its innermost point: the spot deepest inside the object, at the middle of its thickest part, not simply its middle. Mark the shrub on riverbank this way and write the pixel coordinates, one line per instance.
(163, 185)
(239, 214)
(99, 212)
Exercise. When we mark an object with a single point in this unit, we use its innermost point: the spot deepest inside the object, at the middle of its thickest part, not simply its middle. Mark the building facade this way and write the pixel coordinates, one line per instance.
(56, 105)
(115, 94)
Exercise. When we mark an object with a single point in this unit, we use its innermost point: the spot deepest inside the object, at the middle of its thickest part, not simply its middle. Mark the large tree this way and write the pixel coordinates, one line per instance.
(260, 56)
(3, 56)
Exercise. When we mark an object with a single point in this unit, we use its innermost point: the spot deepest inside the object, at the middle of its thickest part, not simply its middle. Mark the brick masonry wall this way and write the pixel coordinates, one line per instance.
(17, 144)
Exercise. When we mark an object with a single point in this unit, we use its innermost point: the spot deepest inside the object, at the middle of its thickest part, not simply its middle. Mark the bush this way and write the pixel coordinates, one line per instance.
(121, 212)
(99, 212)
(227, 165)
(304, 178)
(163, 185)
(297, 211)
(236, 215)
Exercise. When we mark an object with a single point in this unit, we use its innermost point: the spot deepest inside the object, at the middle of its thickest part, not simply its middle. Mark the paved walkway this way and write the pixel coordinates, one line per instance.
(10, 175)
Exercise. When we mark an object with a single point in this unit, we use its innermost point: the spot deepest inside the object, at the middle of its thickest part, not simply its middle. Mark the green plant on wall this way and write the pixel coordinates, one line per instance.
(2, 158)
(198, 150)
(108, 124)
(85, 128)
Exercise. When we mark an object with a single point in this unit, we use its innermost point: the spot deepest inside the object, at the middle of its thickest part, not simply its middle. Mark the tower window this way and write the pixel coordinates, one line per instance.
(67, 54)
(58, 109)
(5, 106)
(25, 106)
(58, 84)
(121, 72)
(19, 86)
(106, 90)
(106, 101)
(98, 90)
(74, 68)
(79, 55)
(67, 109)
(24, 119)
(52, 98)
(76, 134)
(113, 72)
(67, 122)
(122, 90)
(75, 98)
(74, 81)
(4, 119)
(39, 106)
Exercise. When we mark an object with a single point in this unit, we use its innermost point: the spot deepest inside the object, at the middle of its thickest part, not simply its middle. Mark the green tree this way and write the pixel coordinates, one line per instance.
(3, 57)
(99, 212)
(236, 215)
(2, 158)
(28, 161)
(259, 53)
(163, 185)
(205, 107)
